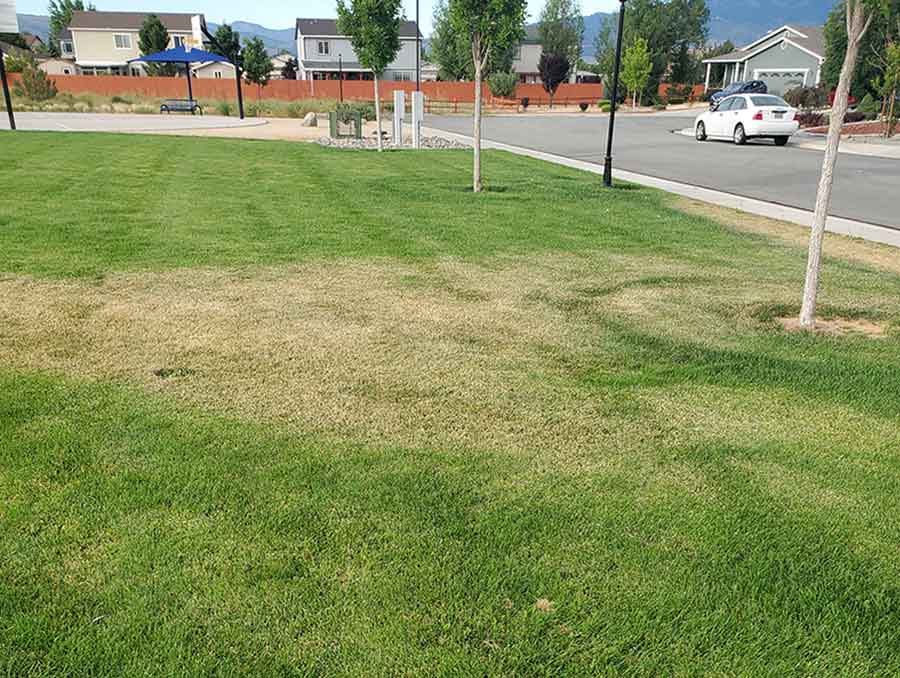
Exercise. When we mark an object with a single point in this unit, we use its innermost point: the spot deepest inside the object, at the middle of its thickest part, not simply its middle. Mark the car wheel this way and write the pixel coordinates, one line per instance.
(740, 136)
(701, 132)
(781, 141)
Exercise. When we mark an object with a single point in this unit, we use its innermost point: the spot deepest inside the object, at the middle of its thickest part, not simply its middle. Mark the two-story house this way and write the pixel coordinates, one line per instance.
(323, 53)
(526, 57)
(102, 43)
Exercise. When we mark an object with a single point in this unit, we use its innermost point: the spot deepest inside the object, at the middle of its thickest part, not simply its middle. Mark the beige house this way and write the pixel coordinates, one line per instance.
(102, 43)
(57, 66)
(527, 56)
(214, 69)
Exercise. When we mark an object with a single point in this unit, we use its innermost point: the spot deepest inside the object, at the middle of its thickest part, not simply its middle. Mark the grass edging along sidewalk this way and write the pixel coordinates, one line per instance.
(335, 419)
(857, 229)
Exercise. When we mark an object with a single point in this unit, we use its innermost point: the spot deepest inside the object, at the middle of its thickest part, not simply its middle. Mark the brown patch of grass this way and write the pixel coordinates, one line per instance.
(544, 605)
(837, 327)
(883, 257)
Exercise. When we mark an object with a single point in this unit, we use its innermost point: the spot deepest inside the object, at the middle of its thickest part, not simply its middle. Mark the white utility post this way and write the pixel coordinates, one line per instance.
(399, 111)
(418, 115)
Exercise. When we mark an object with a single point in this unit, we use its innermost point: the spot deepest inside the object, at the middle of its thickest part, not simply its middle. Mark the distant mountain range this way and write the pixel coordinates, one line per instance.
(741, 22)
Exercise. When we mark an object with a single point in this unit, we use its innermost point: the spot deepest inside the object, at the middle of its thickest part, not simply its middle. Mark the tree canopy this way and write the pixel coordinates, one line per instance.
(554, 69)
(561, 29)
(257, 64)
(636, 67)
(373, 27)
(227, 44)
(154, 37)
(673, 29)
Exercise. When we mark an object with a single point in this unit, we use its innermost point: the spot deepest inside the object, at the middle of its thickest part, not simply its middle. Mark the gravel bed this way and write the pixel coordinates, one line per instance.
(433, 143)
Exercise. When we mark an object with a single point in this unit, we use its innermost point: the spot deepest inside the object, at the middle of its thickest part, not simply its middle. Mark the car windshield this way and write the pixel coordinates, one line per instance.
(768, 100)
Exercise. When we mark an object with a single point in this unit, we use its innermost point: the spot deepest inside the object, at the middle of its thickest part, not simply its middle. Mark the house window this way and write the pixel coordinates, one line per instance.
(67, 47)
(178, 41)
(218, 75)
(123, 41)
(324, 47)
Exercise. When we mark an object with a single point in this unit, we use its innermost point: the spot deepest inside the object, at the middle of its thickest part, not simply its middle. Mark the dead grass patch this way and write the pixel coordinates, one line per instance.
(882, 257)
(839, 327)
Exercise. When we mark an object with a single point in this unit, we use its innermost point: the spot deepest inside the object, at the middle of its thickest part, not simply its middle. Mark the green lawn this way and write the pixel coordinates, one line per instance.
(271, 409)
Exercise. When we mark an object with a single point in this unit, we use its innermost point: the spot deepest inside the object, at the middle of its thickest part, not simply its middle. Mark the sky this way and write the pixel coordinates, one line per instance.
(272, 13)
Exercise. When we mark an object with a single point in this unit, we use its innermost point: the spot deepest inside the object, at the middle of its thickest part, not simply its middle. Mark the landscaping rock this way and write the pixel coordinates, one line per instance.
(428, 143)
(310, 120)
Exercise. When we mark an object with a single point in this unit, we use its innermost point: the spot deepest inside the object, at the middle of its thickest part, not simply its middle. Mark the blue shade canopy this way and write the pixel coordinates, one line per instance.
(181, 55)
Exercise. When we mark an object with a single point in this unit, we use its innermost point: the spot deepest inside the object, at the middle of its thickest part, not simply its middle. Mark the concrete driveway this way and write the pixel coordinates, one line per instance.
(866, 188)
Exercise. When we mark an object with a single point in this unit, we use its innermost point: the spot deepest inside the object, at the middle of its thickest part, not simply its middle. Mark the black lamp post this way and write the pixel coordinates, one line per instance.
(607, 165)
(6, 98)
(341, 75)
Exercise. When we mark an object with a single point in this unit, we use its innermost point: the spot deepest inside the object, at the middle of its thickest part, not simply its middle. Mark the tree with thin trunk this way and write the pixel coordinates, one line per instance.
(636, 68)
(561, 30)
(374, 30)
(859, 15)
(554, 70)
(60, 12)
(494, 27)
(257, 64)
(152, 38)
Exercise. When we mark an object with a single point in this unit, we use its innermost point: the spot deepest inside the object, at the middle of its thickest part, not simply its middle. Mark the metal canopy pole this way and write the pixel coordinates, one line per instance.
(6, 97)
(187, 68)
(238, 74)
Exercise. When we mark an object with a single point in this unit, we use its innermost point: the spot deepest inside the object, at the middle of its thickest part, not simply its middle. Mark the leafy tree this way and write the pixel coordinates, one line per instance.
(636, 67)
(374, 30)
(227, 44)
(257, 64)
(289, 70)
(154, 37)
(889, 87)
(859, 15)
(14, 39)
(60, 12)
(673, 29)
(503, 84)
(561, 29)
(34, 83)
(15, 63)
(494, 28)
(450, 50)
(554, 70)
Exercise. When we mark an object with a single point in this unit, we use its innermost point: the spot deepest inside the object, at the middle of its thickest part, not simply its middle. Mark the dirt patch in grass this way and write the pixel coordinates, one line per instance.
(837, 327)
(883, 257)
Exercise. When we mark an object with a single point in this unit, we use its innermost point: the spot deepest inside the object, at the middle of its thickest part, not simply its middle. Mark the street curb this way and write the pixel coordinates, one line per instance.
(857, 229)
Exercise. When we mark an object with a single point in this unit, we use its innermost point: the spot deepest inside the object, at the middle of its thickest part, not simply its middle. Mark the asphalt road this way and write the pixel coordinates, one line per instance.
(865, 188)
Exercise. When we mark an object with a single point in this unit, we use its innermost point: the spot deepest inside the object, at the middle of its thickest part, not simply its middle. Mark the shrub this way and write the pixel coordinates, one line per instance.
(120, 100)
(854, 116)
(347, 110)
(807, 98)
(676, 101)
(869, 106)
(583, 106)
(525, 102)
(15, 64)
(683, 92)
(223, 108)
(503, 85)
(35, 84)
(811, 119)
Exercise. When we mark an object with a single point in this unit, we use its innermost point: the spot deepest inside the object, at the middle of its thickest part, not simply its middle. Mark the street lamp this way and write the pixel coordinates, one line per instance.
(607, 165)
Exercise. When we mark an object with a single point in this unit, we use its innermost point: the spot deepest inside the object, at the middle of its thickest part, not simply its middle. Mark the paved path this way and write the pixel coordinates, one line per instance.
(122, 122)
(866, 188)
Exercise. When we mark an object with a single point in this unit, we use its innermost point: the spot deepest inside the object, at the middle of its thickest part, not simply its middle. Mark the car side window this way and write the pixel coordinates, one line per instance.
(738, 104)
(725, 105)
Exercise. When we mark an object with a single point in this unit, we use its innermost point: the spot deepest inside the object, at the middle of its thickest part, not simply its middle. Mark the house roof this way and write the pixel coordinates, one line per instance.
(809, 38)
(328, 27)
(129, 20)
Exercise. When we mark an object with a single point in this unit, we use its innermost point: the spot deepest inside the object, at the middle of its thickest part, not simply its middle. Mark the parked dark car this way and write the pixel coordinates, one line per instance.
(747, 87)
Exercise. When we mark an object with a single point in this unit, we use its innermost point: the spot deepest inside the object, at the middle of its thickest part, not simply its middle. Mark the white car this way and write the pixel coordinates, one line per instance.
(748, 116)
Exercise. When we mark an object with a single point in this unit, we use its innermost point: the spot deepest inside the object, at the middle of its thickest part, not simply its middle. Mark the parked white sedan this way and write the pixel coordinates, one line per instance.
(748, 116)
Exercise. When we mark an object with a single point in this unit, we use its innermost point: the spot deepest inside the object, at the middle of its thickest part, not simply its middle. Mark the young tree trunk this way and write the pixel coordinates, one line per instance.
(476, 132)
(378, 115)
(858, 20)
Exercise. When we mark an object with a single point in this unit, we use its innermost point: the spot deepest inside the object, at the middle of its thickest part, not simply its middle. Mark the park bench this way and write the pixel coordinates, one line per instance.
(180, 106)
